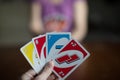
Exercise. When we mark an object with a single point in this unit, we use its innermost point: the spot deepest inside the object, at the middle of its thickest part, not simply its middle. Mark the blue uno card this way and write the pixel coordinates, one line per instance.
(55, 41)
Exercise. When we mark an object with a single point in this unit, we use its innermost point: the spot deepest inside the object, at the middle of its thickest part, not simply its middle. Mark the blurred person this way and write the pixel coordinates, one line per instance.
(59, 16)
(44, 75)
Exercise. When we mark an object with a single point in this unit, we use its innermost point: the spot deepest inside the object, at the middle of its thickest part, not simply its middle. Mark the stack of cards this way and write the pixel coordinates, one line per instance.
(66, 53)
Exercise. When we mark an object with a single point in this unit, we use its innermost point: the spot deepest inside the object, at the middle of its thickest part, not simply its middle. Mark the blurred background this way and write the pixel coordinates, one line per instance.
(102, 40)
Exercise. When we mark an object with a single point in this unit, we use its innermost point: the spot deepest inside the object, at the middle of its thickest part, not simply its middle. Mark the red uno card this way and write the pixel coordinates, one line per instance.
(40, 46)
(69, 58)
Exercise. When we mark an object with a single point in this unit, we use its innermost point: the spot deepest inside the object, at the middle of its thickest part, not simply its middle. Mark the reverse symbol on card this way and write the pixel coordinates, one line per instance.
(73, 44)
(61, 73)
(68, 58)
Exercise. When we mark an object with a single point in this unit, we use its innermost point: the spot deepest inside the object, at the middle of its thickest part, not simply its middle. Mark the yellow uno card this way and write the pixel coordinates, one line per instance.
(31, 55)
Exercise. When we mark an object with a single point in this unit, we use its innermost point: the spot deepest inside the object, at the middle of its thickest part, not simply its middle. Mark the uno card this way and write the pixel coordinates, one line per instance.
(54, 42)
(30, 54)
(69, 58)
(40, 46)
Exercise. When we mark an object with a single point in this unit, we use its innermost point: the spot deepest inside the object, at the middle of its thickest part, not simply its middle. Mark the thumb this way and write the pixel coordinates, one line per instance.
(47, 71)
(28, 75)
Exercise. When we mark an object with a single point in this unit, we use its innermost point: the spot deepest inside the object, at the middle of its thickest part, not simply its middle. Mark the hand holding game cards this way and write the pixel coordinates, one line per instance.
(66, 53)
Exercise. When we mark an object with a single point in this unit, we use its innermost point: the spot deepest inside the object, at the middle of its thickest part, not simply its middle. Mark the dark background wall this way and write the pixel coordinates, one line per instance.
(104, 21)
(14, 20)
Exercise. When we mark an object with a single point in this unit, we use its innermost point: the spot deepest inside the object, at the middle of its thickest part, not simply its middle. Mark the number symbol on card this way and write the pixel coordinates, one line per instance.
(36, 56)
(68, 59)
(49, 37)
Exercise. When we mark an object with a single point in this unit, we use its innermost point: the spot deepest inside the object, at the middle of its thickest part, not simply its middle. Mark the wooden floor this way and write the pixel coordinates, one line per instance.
(103, 64)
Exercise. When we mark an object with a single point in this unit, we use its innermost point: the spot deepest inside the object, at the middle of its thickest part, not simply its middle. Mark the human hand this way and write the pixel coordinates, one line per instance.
(44, 75)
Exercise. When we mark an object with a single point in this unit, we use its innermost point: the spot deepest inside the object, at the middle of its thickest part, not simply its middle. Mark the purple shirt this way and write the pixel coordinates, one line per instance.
(63, 11)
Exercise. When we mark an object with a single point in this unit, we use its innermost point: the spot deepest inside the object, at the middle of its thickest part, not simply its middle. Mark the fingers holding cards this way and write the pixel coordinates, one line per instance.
(66, 53)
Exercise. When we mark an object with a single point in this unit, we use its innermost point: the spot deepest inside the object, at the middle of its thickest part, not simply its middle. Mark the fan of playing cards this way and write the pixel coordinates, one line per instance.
(66, 53)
